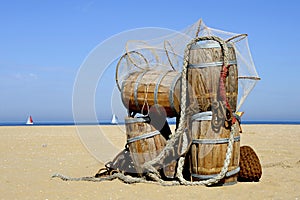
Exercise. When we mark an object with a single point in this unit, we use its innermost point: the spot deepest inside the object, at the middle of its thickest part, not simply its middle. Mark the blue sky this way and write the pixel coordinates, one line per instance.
(44, 43)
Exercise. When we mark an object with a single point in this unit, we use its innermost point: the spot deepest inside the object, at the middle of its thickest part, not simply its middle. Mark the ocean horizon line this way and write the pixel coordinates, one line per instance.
(108, 122)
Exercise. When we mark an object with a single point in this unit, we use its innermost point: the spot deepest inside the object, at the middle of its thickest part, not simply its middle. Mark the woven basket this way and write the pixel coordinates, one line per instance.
(250, 165)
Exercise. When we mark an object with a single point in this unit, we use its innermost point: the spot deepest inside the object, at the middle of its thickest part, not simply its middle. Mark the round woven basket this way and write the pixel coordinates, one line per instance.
(251, 170)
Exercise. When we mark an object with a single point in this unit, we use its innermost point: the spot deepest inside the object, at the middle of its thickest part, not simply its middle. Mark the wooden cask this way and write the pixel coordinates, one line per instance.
(204, 69)
(152, 88)
(144, 141)
(208, 150)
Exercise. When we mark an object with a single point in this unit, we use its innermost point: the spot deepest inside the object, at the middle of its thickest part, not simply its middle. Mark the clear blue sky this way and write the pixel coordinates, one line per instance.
(43, 44)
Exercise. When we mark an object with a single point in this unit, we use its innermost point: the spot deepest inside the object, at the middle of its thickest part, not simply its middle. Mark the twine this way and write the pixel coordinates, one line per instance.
(166, 42)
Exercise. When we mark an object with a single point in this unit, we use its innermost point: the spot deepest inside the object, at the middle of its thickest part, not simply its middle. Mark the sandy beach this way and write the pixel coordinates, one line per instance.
(31, 154)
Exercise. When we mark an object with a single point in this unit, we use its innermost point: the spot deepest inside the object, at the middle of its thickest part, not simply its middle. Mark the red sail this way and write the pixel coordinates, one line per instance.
(31, 121)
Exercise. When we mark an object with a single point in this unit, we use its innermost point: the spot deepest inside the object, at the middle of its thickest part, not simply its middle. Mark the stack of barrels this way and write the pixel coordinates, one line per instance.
(143, 90)
(156, 95)
(209, 144)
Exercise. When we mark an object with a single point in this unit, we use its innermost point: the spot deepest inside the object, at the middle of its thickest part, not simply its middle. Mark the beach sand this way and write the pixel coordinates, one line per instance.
(31, 154)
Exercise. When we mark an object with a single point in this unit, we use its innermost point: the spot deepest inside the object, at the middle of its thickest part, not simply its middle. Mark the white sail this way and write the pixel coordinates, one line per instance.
(114, 119)
(29, 120)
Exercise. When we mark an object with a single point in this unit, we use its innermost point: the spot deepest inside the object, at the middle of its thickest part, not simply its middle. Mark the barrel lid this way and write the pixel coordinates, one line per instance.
(207, 45)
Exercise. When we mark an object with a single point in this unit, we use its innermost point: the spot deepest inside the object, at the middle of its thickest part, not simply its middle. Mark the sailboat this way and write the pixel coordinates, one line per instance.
(114, 119)
(29, 121)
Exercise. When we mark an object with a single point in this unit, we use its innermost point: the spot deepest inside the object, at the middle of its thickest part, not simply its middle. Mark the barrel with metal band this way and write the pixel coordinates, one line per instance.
(143, 140)
(205, 65)
(208, 150)
(152, 88)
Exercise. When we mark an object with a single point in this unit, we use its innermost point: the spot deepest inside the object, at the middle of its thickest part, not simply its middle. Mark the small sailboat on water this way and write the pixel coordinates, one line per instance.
(29, 121)
(114, 119)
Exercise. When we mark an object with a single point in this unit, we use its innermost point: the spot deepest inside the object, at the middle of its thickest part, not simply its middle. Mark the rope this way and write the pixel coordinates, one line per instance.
(125, 178)
(170, 146)
(222, 173)
(240, 36)
(166, 42)
(198, 27)
(120, 176)
(182, 122)
(157, 180)
(172, 141)
(231, 139)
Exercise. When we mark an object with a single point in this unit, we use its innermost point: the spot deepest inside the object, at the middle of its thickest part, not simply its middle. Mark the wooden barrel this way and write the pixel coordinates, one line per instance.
(208, 150)
(152, 87)
(205, 65)
(144, 141)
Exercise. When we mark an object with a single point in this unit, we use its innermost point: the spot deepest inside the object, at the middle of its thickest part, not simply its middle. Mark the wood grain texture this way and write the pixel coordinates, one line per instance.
(143, 150)
(208, 159)
(139, 88)
(204, 81)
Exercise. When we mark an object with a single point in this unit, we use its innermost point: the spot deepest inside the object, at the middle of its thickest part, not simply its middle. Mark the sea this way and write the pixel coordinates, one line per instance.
(71, 123)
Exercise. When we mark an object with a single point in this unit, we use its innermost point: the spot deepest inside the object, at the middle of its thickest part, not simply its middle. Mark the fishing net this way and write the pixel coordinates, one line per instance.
(167, 53)
(148, 74)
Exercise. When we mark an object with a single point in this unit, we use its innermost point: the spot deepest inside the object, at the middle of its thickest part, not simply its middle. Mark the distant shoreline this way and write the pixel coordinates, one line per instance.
(122, 123)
